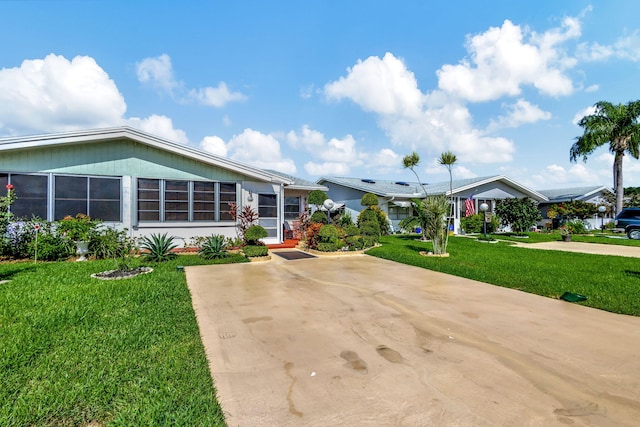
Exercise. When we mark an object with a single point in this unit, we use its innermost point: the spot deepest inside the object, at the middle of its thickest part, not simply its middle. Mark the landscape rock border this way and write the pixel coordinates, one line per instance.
(121, 274)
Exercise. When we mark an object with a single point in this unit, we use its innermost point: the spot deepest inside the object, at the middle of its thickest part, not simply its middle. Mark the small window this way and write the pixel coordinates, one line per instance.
(176, 201)
(227, 198)
(204, 201)
(149, 199)
(291, 207)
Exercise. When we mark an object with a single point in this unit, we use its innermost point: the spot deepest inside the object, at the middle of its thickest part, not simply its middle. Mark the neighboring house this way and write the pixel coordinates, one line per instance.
(131, 179)
(395, 196)
(593, 194)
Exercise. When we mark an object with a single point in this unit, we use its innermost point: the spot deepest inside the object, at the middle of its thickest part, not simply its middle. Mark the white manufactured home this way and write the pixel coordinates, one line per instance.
(131, 179)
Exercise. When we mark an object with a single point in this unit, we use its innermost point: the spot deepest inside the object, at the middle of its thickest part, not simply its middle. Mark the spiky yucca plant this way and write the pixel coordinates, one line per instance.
(158, 247)
(214, 246)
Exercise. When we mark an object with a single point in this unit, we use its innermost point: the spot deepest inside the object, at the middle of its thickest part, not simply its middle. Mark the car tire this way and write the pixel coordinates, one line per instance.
(634, 234)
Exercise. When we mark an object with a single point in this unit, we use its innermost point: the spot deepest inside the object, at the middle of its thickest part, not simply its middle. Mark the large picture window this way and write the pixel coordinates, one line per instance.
(177, 200)
(97, 197)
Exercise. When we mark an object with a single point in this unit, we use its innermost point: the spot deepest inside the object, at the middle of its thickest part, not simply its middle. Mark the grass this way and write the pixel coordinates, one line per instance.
(80, 351)
(612, 283)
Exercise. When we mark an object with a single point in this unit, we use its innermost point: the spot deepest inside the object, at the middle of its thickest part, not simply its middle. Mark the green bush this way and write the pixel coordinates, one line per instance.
(473, 224)
(327, 232)
(355, 242)
(369, 200)
(327, 247)
(49, 247)
(254, 233)
(319, 217)
(345, 220)
(214, 246)
(352, 230)
(317, 197)
(158, 247)
(251, 251)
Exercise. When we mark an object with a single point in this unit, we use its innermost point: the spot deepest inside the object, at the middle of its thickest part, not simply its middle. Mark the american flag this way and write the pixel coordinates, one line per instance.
(469, 206)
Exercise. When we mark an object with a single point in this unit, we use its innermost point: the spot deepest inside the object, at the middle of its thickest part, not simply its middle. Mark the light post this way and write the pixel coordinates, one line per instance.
(328, 205)
(483, 208)
(602, 209)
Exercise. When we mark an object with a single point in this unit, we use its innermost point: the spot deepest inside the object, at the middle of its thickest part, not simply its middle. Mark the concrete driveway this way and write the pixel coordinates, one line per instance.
(357, 340)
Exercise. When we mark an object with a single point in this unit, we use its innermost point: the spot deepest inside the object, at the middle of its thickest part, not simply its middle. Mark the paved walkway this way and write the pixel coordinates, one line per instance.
(361, 341)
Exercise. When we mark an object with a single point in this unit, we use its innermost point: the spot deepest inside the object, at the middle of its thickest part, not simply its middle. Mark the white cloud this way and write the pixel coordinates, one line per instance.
(308, 138)
(502, 60)
(214, 145)
(383, 86)
(54, 94)
(161, 126)
(522, 112)
(158, 72)
(216, 96)
(327, 168)
(626, 47)
(460, 172)
(592, 88)
(260, 150)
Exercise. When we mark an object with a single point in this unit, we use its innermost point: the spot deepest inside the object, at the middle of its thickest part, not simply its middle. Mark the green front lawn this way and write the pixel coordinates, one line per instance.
(81, 351)
(612, 283)
(606, 238)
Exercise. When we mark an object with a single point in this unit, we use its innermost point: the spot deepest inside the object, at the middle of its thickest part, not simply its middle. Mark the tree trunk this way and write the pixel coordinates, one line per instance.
(618, 187)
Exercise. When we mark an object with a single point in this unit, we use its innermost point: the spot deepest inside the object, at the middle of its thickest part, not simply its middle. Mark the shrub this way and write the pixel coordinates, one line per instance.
(345, 220)
(327, 247)
(48, 246)
(369, 225)
(319, 217)
(158, 247)
(253, 235)
(317, 197)
(251, 251)
(369, 199)
(213, 247)
(474, 224)
(327, 232)
(312, 235)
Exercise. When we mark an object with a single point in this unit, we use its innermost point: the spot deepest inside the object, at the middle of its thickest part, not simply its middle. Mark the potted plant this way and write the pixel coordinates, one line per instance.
(78, 229)
(565, 233)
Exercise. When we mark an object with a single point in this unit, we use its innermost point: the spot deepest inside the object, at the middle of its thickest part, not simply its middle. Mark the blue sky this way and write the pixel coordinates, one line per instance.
(332, 88)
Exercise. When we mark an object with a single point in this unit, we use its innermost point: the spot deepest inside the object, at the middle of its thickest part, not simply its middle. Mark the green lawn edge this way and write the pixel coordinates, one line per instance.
(611, 283)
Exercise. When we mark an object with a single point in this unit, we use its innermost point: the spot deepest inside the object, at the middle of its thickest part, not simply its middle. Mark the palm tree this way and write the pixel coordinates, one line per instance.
(448, 159)
(616, 124)
(410, 161)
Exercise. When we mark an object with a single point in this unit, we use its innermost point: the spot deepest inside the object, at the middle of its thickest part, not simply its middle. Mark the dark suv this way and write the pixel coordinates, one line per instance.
(628, 220)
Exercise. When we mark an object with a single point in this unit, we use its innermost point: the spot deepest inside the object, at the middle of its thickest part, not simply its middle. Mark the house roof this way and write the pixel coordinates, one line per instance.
(299, 183)
(558, 195)
(125, 132)
(410, 189)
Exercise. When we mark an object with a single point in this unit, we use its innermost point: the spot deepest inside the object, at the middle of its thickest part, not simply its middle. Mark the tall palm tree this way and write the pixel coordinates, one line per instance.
(448, 159)
(614, 124)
